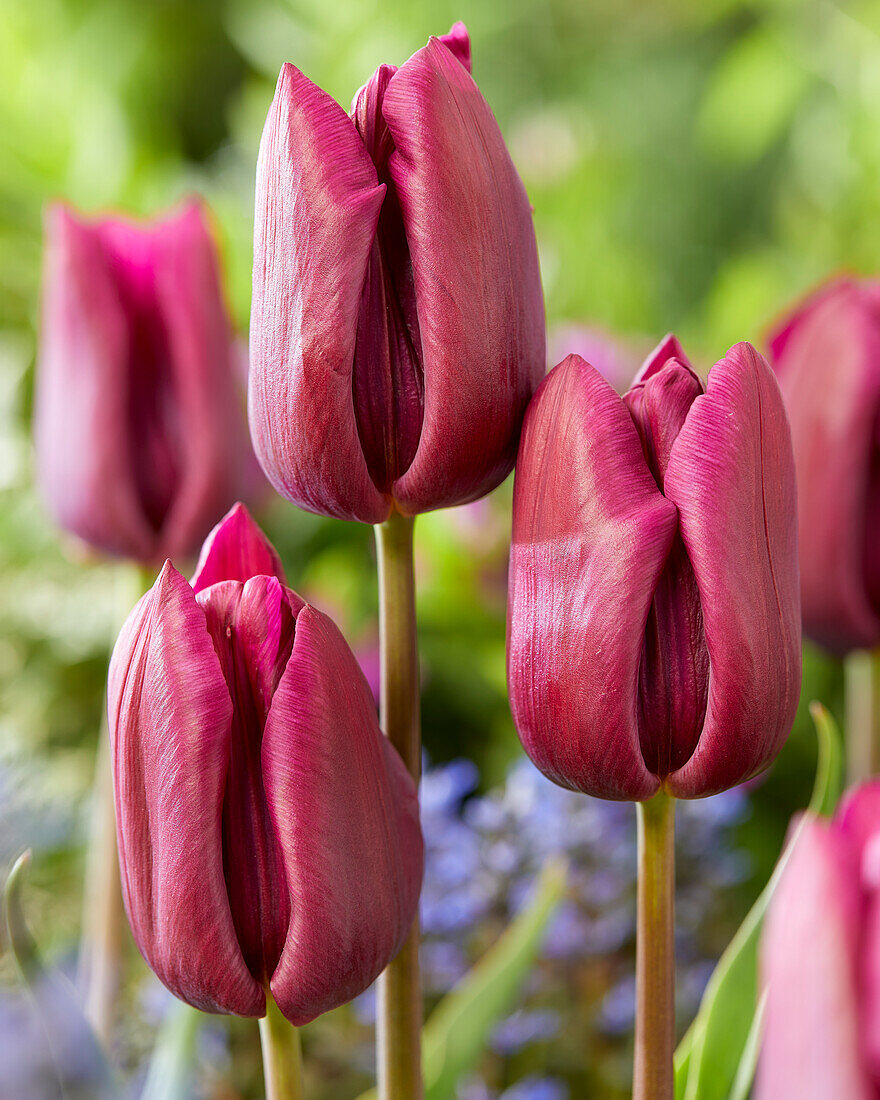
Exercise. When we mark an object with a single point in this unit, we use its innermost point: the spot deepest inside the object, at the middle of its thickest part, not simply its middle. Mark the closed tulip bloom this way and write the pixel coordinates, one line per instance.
(820, 960)
(141, 435)
(397, 329)
(654, 617)
(827, 358)
(268, 832)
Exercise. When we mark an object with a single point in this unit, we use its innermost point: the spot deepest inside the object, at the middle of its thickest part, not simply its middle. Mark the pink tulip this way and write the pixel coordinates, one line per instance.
(397, 330)
(654, 617)
(820, 961)
(268, 832)
(827, 357)
(141, 436)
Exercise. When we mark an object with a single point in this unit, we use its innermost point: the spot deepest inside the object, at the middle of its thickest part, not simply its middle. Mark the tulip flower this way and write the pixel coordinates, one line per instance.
(268, 832)
(654, 616)
(819, 960)
(141, 439)
(827, 358)
(397, 330)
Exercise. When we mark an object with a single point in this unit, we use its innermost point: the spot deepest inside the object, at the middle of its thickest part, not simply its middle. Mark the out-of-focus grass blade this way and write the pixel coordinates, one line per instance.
(745, 1074)
(456, 1034)
(80, 1069)
(170, 1076)
(828, 786)
(718, 1043)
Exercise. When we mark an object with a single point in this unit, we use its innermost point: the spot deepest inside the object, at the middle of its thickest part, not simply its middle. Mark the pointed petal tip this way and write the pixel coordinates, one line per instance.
(668, 348)
(236, 549)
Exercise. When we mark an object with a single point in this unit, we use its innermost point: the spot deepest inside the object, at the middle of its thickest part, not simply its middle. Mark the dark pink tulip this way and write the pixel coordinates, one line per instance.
(268, 832)
(654, 618)
(141, 436)
(827, 358)
(397, 330)
(820, 961)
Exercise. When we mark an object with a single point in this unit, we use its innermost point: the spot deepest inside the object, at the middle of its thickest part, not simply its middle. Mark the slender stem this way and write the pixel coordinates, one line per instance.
(103, 927)
(862, 679)
(653, 1077)
(399, 1020)
(282, 1056)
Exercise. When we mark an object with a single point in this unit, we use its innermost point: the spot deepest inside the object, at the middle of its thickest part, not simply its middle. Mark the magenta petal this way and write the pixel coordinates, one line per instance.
(477, 285)
(236, 550)
(318, 203)
(731, 475)
(828, 363)
(81, 404)
(458, 42)
(668, 348)
(591, 534)
(810, 1048)
(346, 816)
(170, 714)
(204, 391)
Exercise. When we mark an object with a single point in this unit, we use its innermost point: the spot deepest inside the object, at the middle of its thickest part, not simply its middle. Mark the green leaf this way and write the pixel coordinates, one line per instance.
(171, 1066)
(713, 1058)
(80, 1068)
(745, 1074)
(456, 1034)
(828, 786)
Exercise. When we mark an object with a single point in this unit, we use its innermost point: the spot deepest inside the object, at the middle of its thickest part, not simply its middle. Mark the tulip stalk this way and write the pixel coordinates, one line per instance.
(862, 680)
(282, 1055)
(653, 1076)
(399, 1020)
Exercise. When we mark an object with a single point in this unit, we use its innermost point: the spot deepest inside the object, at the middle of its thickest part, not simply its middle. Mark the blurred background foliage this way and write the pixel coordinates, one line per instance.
(693, 164)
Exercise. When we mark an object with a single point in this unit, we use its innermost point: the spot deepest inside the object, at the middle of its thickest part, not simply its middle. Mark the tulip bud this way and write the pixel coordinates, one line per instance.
(397, 330)
(268, 832)
(827, 358)
(140, 429)
(820, 960)
(654, 619)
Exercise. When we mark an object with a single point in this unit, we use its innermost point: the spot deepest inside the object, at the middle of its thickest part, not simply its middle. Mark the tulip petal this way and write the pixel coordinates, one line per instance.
(236, 550)
(170, 715)
(731, 475)
(458, 42)
(478, 289)
(808, 960)
(827, 364)
(206, 389)
(318, 203)
(591, 535)
(668, 348)
(81, 405)
(346, 818)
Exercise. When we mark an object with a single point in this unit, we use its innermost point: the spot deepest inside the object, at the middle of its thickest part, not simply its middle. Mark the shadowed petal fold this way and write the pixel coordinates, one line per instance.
(318, 203)
(477, 284)
(346, 818)
(170, 713)
(591, 536)
(731, 475)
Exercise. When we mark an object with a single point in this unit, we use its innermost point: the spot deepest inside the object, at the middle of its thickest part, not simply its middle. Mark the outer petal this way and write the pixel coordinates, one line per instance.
(811, 1049)
(236, 550)
(215, 451)
(81, 412)
(478, 288)
(318, 203)
(591, 533)
(346, 817)
(731, 474)
(170, 716)
(829, 370)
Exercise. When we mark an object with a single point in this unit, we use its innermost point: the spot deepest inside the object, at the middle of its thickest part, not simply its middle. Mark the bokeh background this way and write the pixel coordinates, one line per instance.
(694, 165)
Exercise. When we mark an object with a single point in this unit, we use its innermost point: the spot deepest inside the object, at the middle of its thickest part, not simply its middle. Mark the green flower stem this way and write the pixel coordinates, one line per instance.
(653, 1077)
(399, 1019)
(282, 1056)
(862, 678)
(103, 927)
